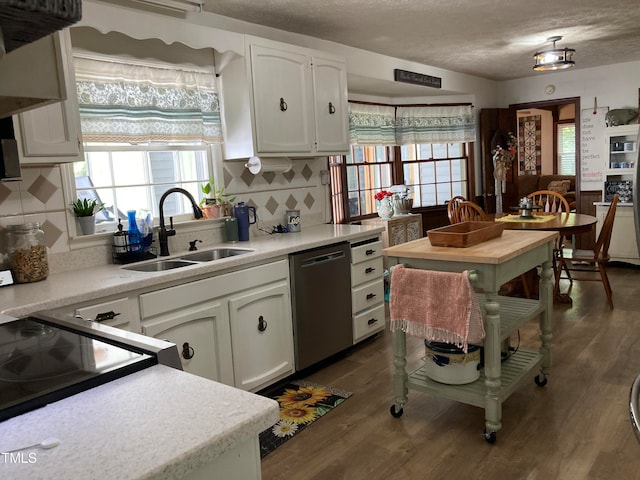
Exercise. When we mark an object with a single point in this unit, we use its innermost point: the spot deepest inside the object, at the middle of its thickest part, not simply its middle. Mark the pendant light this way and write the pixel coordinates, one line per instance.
(554, 58)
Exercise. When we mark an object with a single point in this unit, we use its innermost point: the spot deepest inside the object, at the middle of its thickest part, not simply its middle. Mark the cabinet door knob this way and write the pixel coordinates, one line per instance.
(187, 351)
(262, 324)
(332, 109)
(283, 105)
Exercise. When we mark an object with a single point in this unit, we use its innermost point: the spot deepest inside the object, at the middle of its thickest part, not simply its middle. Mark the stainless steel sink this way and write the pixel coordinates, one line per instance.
(188, 259)
(214, 254)
(159, 265)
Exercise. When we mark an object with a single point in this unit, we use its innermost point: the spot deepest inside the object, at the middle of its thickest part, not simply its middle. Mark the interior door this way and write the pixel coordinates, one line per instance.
(494, 124)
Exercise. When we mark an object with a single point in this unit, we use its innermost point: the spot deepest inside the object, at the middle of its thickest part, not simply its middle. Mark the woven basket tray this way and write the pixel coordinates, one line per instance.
(464, 234)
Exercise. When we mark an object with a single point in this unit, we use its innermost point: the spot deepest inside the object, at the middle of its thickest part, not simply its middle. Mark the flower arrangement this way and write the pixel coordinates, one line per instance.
(382, 194)
(503, 157)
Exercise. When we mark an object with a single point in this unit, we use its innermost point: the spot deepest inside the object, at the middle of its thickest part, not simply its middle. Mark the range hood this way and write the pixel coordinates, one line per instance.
(23, 22)
(29, 53)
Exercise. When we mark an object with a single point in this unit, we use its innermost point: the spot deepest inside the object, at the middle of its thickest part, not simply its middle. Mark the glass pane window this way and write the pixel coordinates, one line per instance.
(438, 174)
(434, 174)
(566, 148)
(135, 178)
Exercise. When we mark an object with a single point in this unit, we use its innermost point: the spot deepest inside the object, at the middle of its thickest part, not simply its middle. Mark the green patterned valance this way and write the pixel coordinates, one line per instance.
(372, 124)
(435, 124)
(124, 102)
(389, 125)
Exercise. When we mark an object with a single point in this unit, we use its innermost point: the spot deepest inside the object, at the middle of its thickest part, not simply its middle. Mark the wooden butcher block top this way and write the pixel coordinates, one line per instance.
(497, 250)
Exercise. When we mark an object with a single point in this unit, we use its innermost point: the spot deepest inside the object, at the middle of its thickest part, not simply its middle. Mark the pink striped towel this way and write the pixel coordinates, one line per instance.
(437, 306)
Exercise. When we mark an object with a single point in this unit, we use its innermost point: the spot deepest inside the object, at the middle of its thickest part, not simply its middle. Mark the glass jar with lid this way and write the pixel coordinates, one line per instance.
(27, 253)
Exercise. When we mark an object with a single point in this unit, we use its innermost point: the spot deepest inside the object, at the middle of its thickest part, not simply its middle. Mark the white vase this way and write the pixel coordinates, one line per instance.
(87, 224)
(385, 208)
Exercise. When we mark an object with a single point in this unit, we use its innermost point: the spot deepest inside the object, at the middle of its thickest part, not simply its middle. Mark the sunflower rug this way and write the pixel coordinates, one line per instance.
(301, 403)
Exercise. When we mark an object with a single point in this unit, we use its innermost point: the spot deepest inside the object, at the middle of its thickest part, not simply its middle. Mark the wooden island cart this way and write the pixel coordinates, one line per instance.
(493, 262)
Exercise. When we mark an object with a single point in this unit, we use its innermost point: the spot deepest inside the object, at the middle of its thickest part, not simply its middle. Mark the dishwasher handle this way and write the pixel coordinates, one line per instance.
(324, 258)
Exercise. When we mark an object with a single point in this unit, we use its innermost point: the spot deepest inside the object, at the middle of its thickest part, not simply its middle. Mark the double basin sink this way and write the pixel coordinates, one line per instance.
(188, 259)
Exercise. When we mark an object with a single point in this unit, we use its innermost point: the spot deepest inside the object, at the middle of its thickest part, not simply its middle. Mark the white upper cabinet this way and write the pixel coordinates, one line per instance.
(51, 134)
(284, 100)
(331, 115)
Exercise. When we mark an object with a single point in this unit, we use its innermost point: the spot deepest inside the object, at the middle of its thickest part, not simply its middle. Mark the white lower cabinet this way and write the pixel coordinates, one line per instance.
(367, 288)
(119, 312)
(201, 333)
(623, 246)
(261, 335)
(234, 328)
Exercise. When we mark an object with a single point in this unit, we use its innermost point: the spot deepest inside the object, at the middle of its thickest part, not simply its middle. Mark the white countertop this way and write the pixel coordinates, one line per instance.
(77, 286)
(159, 423)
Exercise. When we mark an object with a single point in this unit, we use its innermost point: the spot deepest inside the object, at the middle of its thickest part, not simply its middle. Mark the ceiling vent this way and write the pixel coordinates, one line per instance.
(175, 5)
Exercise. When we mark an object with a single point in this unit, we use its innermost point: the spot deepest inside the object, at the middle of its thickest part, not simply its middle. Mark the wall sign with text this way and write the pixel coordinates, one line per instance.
(416, 78)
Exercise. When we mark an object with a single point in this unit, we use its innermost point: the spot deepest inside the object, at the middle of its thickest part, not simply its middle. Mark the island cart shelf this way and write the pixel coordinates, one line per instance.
(493, 263)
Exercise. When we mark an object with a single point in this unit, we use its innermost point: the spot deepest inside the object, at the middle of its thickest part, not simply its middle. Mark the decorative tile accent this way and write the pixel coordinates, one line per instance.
(309, 201)
(51, 233)
(291, 202)
(42, 189)
(269, 177)
(307, 172)
(247, 177)
(271, 205)
(226, 176)
(5, 192)
(289, 176)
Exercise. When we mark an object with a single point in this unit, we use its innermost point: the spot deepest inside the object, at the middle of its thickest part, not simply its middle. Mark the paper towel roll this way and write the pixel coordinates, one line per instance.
(278, 165)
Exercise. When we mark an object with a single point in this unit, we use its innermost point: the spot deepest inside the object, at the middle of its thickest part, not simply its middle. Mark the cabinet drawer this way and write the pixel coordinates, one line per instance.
(117, 313)
(366, 271)
(181, 296)
(366, 252)
(367, 295)
(368, 322)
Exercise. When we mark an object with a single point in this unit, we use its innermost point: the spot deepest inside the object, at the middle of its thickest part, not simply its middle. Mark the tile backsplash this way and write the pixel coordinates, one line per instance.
(38, 197)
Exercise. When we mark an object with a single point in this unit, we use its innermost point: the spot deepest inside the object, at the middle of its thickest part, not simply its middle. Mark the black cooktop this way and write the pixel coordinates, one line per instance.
(41, 362)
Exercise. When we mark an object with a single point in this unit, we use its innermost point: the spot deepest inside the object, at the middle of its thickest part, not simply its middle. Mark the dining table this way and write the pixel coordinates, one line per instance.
(566, 224)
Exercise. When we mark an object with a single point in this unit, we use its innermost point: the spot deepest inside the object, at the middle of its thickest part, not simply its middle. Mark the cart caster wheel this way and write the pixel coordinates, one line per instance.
(541, 379)
(396, 413)
(490, 437)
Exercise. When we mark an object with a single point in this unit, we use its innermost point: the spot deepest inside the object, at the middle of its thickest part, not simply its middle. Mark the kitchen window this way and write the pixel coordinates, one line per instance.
(134, 177)
(147, 126)
(434, 172)
(427, 148)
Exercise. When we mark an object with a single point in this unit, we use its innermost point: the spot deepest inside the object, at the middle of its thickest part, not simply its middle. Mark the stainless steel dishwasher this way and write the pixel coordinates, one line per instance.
(321, 301)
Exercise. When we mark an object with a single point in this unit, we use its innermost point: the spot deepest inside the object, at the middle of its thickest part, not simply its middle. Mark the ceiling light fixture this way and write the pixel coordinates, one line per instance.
(555, 58)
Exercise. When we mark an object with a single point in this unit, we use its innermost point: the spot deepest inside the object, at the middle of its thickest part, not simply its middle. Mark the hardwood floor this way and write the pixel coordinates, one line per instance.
(577, 427)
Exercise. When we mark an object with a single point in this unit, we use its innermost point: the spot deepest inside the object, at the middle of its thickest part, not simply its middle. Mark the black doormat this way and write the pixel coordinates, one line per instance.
(301, 403)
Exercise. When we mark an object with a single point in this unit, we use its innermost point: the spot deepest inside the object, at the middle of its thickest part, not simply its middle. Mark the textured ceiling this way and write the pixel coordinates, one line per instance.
(494, 39)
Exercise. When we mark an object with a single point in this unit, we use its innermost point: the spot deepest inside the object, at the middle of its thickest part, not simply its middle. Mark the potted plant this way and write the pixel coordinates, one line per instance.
(215, 202)
(85, 211)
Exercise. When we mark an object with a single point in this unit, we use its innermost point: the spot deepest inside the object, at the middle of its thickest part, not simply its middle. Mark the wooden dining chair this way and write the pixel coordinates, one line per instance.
(589, 262)
(451, 206)
(468, 212)
(550, 201)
